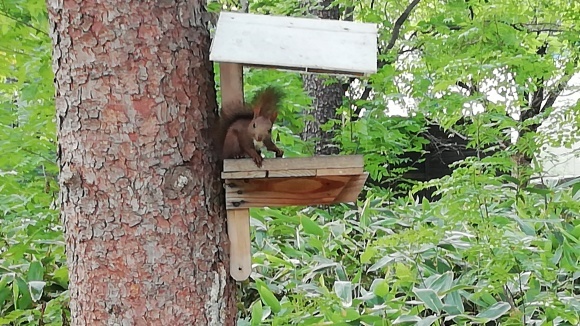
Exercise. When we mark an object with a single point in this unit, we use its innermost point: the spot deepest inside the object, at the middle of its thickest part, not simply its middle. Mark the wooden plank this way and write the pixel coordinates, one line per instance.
(244, 175)
(292, 191)
(350, 192)
(291, 173)
(296, 163)
(330, 72)
(290, 185)
(239, 235)
(232, 84)
(278, 41)
(269, 174)
(280, 203)
(314, 24)
(340, 171)
(259, 195)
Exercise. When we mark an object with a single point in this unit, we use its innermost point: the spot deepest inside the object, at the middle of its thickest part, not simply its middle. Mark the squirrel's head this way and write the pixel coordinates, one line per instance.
(261, 125)
(261, 128)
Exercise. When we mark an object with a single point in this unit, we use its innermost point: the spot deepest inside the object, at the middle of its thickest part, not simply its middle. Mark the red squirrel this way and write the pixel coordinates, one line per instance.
(244, 130)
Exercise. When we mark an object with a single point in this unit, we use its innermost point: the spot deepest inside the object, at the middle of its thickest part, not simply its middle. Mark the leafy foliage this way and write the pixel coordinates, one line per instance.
(33, 273)
(496, 248)
(479, 254)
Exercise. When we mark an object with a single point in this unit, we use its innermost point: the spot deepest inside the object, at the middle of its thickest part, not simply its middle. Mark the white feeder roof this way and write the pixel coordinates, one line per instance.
(291, 43)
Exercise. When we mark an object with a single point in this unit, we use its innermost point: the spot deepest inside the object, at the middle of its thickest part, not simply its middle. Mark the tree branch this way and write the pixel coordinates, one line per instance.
(522, 27)
(366, 93)
(416, 47)
(349, 13)
(553, 95)
(399, 23)
(472, 89)
(394, 36)
(537, 27)
(470, 8)
(244, 6)
(535, 103)
(23, 23)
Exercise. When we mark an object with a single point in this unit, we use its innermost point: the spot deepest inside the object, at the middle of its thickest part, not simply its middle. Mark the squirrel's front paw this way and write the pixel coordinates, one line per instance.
(279, 153)
(258, 160)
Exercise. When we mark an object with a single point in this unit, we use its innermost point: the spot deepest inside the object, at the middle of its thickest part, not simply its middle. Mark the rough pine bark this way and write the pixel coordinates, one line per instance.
(326, 96)
(140, 196)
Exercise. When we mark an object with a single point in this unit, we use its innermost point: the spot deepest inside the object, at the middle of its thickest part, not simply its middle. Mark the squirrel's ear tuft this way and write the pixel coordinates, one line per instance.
(266, 101)
(257, 110)
(273, 116)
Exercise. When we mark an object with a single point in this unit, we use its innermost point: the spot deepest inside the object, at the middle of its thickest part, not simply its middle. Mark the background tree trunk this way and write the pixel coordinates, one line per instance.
(327, 97)
(140, 196)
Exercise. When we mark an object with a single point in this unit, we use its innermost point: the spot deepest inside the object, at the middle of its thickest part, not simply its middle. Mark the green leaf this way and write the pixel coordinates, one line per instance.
(257, 313)
(382, 288)
(539, 191)
(406, 319)
(569, 261)
(495, 311)
(429, 298)
(381, 263)
(21, 292)
(343, 290)
(11, 317)
(267, 296)
(367, 254)
(511, 179)
(310, 226)
(60, 276)
(35, 271)
(36, 289)
(441, 283)
(569, 183)
(427, 321)
(348, 315)
(453, 304)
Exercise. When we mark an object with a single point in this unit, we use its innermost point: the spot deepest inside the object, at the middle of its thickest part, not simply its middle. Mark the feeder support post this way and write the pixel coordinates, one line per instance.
(232, 88)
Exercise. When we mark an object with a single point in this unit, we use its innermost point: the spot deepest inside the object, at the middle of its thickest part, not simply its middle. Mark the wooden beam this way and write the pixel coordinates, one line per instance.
(291, 191)
(306, 70)
(239, 235)
(291, 173)
(232, 84)
(339, 171)
(238, 220)
(244, 175)
(350, 192)
(296, 163)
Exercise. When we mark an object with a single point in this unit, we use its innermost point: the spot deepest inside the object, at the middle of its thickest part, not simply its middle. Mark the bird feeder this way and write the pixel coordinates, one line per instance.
(295, 44)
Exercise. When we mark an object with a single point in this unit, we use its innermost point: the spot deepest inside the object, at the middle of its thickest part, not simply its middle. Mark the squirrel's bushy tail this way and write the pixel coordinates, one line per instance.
(266, 101)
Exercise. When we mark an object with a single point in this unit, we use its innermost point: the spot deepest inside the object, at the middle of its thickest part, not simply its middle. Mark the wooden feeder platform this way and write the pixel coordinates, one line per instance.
(304, 181)
(305, 45)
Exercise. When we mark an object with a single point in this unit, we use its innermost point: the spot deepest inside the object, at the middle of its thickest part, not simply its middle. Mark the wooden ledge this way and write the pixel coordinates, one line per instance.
(328, 165)
(293, 181)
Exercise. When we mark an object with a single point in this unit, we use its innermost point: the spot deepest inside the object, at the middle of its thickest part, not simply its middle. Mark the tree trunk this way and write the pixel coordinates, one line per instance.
(141, 200)
(327, 98)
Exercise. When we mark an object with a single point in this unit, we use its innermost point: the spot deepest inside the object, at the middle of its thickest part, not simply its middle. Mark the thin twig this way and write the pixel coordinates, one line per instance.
(23, 23)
